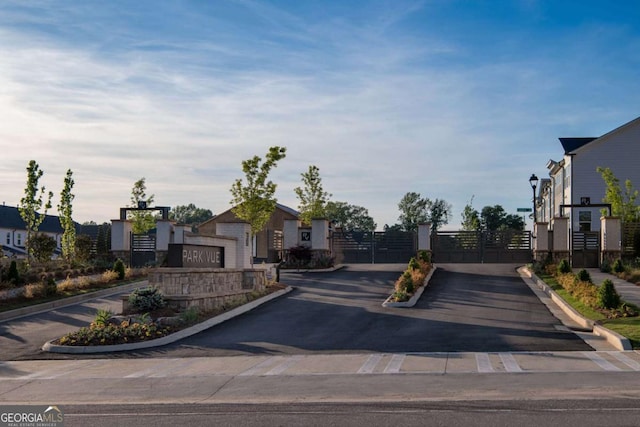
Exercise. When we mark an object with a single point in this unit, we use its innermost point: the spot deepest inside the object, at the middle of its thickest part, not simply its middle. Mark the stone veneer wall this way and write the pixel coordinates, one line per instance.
(205, 288)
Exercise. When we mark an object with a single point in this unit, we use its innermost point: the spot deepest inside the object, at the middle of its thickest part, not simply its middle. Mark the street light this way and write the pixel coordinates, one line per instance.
(534, 183)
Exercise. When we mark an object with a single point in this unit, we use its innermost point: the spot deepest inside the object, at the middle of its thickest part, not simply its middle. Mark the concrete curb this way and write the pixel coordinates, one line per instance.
(184, 333)
(613, 338)
(311, 270)
(63, 302)
(416, 296)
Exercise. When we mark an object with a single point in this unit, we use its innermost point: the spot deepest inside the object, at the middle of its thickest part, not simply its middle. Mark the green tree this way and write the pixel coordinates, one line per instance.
(313, 198)
(42, 246)
(439, 214)
(32, 202)
(349, 217)
(142, 220)
(103, 241)
(83, 247)
(413, 211)
(623, 203)
(189, 214)
(470, 217)
(65, 209)
(254, 201)
(495, 218)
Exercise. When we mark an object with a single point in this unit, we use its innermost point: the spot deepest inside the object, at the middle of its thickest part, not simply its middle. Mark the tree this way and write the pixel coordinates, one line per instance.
(413, 211)
(189, 214)
(65, 209)
(42, 246)
(494, 218)
(622, 204)
(254, 201)
(142, 220)
(103, 241)
(416, 210)
(32, 202)
(439, 214)
(313, 198)
(83, 247)
(470, 218)
(349, 217)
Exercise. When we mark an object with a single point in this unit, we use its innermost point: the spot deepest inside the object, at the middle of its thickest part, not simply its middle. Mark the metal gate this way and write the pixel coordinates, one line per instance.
(143, 250)
(585, 249)
(353, 247)
(506, 246)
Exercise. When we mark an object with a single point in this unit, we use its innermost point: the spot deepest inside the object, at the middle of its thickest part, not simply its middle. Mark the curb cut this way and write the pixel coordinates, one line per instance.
(63, 302)
(613, 338)
(414, 299)
(184, 333)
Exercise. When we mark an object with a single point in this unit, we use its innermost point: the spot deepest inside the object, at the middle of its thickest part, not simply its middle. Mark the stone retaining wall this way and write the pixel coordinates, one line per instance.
(205, 288)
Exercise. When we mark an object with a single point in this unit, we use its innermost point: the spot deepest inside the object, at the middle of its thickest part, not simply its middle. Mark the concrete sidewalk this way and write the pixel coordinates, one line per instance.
(628, 291)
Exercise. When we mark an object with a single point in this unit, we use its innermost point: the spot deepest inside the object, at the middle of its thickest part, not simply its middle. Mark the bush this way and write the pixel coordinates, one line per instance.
(583, 276)
(424, 256)
(405, 283)
(108, 276)
(564, 267)
(146, 299)
(618, 266)
(300, 255)
(13, 276)
(608, 296)
(606, 266)
(414, 264)
(50, 287)
(120, 268)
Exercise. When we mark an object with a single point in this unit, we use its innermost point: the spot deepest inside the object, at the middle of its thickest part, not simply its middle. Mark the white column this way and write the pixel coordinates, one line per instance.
(120, 235)
(541, 240)
(242, 232)
(424, 237)
(561, 236)
(163, 234)
(611, 238)
(290, 233)
(320, 234)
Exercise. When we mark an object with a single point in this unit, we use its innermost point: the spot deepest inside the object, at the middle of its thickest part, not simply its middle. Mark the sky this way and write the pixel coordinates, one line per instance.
(453, 99)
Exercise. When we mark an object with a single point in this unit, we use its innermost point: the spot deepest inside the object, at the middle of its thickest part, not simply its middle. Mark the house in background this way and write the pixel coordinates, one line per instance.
(573, 180)
(574, 192)
(13, 232)
(268, 243)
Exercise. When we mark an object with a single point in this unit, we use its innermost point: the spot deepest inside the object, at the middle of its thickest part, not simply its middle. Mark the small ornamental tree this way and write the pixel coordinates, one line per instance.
(313, 198)
(254, 200)
(42, 247)
(142, 221)
(32, 203)
(65, 209)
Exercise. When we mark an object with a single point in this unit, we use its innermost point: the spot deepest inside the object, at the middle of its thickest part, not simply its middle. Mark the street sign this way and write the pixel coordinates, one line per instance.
(525, 210)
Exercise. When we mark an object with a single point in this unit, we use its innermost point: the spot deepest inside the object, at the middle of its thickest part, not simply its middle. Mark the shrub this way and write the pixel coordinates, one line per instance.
(102, 317)
(108, 276)
(618, 266)
(190, 315)
(146, 299)
(13, 276)
(414, 264)
(67, 285)
(119, 268)
(608, 296)
(405, 283)
(606, 266)
(300, 255)
(34, 290)
(424, 256)
(583, 276)
(564, 267)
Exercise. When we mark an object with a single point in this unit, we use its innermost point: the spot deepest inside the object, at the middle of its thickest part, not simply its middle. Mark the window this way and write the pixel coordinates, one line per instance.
(8, 238)
(584, 219)
(19, 242)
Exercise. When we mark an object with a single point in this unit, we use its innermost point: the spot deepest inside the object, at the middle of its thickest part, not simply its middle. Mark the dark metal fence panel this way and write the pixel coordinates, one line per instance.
(585, 249)
(357, 247)
(505, 246)
(143, 249)
(631, 239)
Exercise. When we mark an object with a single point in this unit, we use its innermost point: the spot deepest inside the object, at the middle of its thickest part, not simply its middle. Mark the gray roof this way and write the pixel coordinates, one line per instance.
(572, 144)
(10, 218)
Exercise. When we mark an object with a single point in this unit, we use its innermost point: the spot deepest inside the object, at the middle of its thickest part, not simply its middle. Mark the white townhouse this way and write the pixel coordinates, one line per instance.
(570, 202)
(13, 232)
(574, 181)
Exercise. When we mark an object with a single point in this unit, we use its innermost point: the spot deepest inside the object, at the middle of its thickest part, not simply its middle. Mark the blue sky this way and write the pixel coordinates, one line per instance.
(450, 99)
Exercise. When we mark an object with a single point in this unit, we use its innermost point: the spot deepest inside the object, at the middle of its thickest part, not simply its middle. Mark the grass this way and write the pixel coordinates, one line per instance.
(628, 327)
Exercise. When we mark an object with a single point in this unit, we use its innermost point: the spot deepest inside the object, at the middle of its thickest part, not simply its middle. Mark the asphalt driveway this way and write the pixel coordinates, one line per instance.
(467, 307)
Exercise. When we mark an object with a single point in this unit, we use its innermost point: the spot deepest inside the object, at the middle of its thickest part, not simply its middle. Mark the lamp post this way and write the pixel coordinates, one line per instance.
(534, 183)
